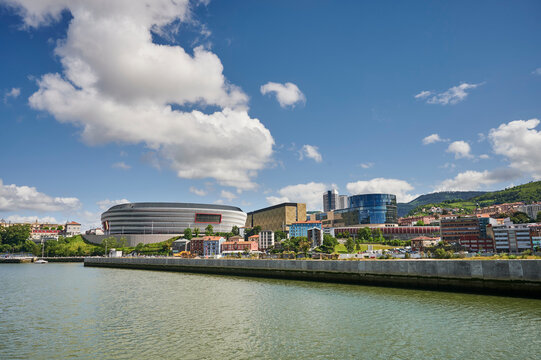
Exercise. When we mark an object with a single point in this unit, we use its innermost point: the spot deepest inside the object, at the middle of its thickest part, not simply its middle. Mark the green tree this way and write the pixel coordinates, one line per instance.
(235, 230)
(196, 231)
(350, 244)
(519, 217)
(209, 230)
(329, 243)
(304, 244)
(365, 235)
(31, 247)
(139, 248)
(420, 223)
(279, 235)
(15, 235)
(188, 233)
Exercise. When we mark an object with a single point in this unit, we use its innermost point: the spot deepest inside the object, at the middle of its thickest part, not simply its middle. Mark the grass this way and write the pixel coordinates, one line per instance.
(341, 248)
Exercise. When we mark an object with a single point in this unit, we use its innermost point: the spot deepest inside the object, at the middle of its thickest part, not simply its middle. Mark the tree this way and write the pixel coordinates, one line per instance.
(279, 235)
(235, 230)
(139, 247)
(209, 230)
(196, 231)
(365, 234)
(15, 235)
(519, 217)
(350, 244)
(329, 243)
(188, 233)
(538, 218)
(420, 223)
(304, 244)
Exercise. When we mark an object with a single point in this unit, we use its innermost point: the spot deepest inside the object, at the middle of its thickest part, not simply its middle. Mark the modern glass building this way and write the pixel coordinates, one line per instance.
(368, 209)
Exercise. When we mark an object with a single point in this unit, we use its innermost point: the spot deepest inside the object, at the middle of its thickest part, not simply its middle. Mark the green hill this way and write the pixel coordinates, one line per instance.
(527, 193)
(436, 198)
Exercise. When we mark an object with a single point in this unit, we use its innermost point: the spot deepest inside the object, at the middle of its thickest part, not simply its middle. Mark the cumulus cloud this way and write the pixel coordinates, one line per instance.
(16, 198)
(31, 219)
(118, 86)
(228, 195)
(367, 165)
(537, 71)
(460, 149)
(311, 194)
(520, 143)
(430, 139)
(484, 156)
(400, 188)
(287, 94)
(452, 96)
(106, 204)
(121, 165)
(311, 152)
(474, 180)
(198, 192)
(13, 93)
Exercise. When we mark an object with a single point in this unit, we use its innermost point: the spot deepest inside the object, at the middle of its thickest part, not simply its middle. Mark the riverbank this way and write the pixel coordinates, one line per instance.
(521, 278)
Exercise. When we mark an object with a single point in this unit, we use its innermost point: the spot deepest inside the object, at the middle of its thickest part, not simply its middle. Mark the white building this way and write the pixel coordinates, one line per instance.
(72, 229)
(266, 239)
(531, 210)
(342, 202)
(512, 238)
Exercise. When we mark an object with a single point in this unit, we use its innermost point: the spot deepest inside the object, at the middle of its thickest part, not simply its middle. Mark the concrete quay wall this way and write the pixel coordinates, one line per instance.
(500, 277)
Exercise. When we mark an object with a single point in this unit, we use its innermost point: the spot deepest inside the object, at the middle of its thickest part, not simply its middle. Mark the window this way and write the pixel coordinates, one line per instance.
(208, 218)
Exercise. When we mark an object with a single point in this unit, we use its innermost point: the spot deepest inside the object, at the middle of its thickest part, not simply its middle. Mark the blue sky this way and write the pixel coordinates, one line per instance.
(252, 103)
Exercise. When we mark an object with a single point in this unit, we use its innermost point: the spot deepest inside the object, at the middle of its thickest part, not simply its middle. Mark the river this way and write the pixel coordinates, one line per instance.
(69, 311)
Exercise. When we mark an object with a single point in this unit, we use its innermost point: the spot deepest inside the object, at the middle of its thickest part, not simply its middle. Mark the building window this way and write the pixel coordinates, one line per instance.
(208, 218)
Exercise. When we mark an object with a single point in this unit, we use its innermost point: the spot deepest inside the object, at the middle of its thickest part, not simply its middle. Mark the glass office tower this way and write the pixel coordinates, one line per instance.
(369, 209)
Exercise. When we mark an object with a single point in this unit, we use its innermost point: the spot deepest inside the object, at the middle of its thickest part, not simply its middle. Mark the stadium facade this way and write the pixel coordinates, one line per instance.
(149, 218)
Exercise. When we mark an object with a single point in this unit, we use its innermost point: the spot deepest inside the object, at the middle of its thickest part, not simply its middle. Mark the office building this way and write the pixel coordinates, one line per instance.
(452, 229)
(535, 236)
(368, 209)
(330, 200)
(278, 217)
(512, 238)
(342, 202)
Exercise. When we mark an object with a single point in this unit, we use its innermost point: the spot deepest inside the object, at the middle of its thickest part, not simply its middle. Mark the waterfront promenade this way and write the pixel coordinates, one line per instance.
(500, 277)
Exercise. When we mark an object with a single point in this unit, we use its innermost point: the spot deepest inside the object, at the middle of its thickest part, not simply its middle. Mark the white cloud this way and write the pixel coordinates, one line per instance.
(311, 152)
(520, 143)
(430, 139)
(198, 192)
(537, 71)
(287, 94)
(106, 204)
(452, 96)
(13, 93)
(16, 198)
(228, 195)
(474, 180)
(400, 188)
(311, 194)
(484, 156)
(119, 86)
(367, 165)
(31, 219)
(460, 149)
(423, 94)
(121, 165)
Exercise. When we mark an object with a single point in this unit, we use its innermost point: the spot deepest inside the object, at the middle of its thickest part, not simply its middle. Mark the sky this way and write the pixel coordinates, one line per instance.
(253, 103)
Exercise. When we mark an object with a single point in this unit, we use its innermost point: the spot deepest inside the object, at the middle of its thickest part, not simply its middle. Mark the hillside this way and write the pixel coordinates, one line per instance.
(436, 198)
(527, 193)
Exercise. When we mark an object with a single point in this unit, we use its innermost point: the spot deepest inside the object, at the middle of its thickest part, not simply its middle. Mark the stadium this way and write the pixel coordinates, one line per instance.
(149, 222)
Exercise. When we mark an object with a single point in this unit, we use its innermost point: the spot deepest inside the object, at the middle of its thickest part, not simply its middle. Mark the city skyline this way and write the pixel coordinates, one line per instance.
(253, 104)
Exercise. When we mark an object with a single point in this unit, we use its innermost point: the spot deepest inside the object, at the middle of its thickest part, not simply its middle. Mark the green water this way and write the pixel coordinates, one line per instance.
(68, 311)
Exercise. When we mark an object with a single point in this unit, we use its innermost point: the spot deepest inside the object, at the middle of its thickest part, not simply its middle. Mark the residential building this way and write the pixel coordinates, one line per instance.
(531, 209)
(239, 246)
(506, 208)
(236, 238)
(196, 245)
(413, 220)
(277, 217)
(315, 236)
(96, 231)
(266, 239)
(300, 228)
(368, 209)
(72, 229)
(391, 232)
(212, 245)
(180, 245)
(512, 238)
(39, 235)
(420, 243)
(535, 235)
(477, 244)
(452, 229)
(254, 238)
